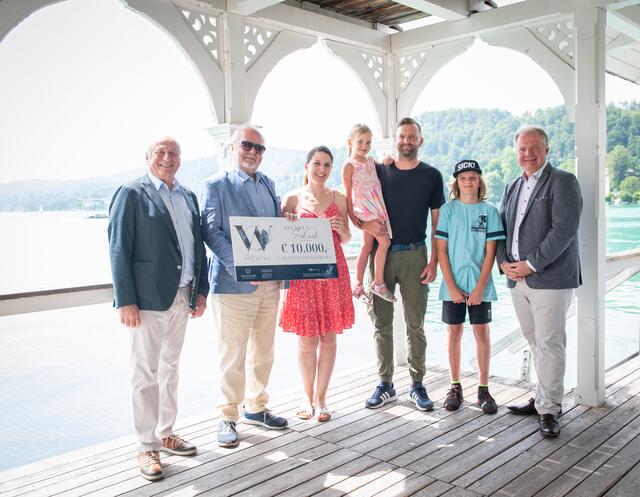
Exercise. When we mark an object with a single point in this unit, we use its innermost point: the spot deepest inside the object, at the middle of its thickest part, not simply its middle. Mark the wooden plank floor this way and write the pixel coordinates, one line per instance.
(392, 451)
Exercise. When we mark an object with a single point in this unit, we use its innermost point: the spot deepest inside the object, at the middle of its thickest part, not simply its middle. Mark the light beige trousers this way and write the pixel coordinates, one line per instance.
(246, 326)
(542, 314)
(155, 358)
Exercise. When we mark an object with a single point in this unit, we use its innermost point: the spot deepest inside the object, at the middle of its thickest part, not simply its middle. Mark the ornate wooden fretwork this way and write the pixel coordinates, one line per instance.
(205, 27)
(375, 65)
(408, 67)
(256, 40)
(558, 37)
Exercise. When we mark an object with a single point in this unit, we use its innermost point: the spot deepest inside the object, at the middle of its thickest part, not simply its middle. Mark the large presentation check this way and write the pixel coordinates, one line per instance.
(273, 248)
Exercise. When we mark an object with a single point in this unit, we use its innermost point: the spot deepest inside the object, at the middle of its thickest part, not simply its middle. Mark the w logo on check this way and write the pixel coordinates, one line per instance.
(255, 236)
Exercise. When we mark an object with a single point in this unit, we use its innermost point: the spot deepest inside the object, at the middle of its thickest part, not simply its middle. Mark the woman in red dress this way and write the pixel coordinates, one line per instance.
(318, 310)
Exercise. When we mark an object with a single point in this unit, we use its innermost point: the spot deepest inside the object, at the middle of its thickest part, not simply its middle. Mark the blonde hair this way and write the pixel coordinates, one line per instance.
(454, 192)
(356, 130)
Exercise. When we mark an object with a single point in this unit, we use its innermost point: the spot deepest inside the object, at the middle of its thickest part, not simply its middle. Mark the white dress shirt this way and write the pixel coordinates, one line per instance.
(524, 197)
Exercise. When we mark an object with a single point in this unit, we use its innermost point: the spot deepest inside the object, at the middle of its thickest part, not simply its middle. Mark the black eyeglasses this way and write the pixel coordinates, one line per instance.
(247, 145)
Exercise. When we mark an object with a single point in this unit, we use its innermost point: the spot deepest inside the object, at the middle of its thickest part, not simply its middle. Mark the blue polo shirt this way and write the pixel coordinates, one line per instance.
(467, 229)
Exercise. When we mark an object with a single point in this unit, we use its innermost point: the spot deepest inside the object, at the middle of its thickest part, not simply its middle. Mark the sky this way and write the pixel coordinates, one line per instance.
(81, 101)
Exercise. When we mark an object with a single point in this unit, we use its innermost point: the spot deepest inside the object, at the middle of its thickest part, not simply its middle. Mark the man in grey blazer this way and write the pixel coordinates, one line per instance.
(541, 213)
(244, 313)
(158, 265)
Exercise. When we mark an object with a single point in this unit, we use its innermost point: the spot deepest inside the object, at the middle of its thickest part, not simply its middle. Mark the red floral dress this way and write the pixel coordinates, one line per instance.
(318, 307)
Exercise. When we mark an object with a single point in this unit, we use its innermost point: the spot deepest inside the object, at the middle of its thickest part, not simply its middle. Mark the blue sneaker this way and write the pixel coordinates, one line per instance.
(227, 435)
(266, 419)
(419, 396)
(383, 393)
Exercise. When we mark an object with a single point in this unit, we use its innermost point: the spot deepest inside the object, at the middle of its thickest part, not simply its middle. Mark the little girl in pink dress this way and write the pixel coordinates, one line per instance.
(365, 203)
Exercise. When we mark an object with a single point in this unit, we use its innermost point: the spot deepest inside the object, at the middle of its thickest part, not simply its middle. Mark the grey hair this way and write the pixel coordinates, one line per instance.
(245, 127)
(531, 128)
(152, 146)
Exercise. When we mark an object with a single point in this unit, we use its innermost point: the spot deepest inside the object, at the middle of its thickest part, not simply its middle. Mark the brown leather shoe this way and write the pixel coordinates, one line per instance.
(150, 467)
(525, 409)
(549, 426)
(178, 446)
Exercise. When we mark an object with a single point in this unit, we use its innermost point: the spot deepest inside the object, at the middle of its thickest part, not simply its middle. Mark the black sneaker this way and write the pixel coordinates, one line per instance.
(486, 402)
(454, 398)
(383, 393)
(418, 394)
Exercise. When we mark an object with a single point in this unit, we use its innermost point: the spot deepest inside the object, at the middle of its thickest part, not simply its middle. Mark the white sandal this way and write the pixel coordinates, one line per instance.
(359, 293)
(306, 411)
(383, 292)
(324, 414)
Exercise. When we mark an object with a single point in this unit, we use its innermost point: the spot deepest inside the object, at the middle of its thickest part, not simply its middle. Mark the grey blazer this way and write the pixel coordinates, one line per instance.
(144, 249)
(548, 236)
(223, 195)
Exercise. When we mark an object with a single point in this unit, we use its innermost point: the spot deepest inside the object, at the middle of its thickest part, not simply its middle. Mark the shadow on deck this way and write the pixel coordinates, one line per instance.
(392, 451)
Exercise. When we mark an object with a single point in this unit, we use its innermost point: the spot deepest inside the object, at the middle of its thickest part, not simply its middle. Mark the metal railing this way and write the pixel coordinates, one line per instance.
(620, 267)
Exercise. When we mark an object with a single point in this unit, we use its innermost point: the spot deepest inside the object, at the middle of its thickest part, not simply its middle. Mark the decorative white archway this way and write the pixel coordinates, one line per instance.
(181, 26)
(522, 40)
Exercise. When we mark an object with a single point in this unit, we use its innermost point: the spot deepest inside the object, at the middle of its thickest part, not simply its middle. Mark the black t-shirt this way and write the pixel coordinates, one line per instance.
(408, 196)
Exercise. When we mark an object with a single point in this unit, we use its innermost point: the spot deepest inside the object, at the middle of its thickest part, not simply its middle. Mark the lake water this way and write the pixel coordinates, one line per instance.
(64, 378)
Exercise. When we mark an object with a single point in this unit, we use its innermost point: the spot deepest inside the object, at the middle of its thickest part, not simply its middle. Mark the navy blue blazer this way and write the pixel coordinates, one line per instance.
(144, 250)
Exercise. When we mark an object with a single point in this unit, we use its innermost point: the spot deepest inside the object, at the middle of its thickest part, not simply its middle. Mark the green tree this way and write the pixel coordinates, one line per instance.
(620, 164)
(568, 164)
(509, 164)
(630, 186)
(626, 198)
(495, 186)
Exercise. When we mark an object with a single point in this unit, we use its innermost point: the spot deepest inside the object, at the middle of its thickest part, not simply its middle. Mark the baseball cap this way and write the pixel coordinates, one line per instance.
(466, 165)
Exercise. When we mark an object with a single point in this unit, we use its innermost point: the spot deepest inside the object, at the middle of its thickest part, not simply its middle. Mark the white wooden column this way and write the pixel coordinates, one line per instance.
(232, 63)
(221, 135)
(590, 142)
(387, 145)
(391, 93)
(235, 99)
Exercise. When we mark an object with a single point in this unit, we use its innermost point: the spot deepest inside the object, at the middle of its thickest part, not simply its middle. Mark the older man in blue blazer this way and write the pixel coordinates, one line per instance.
(158, 264)
(541, 213)
(244, 313)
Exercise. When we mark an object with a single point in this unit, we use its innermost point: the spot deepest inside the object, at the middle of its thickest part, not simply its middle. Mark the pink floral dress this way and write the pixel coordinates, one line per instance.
(366, 193)
(319, 307)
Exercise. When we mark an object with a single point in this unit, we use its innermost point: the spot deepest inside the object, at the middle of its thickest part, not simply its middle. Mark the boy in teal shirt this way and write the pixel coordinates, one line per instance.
(466, 238)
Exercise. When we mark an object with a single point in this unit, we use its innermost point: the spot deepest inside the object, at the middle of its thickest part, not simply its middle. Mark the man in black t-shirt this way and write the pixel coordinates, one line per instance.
(411, 189)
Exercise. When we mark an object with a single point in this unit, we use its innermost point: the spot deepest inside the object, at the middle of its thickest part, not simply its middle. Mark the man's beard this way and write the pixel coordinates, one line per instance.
(409, 152)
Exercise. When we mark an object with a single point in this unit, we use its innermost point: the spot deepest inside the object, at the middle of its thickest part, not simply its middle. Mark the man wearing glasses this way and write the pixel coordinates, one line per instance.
(244, 313)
